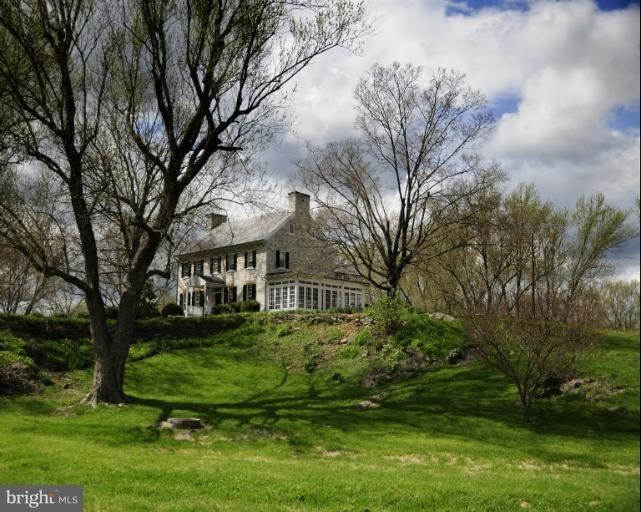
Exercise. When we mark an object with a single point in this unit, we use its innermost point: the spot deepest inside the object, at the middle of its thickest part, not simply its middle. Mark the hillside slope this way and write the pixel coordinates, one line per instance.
(286, 434)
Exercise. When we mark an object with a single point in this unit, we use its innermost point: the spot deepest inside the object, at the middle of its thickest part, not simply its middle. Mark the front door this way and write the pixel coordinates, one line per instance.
(218, 296)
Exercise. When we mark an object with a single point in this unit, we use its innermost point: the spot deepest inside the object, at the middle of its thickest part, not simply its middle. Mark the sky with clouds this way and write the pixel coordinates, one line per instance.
(562, 79)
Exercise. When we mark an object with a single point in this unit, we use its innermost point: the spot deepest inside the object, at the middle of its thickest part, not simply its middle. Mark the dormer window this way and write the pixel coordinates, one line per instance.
(291, 228)
(282, 259)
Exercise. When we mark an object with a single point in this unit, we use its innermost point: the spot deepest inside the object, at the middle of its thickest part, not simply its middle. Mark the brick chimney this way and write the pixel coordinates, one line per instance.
(298, 203)
(215, 219)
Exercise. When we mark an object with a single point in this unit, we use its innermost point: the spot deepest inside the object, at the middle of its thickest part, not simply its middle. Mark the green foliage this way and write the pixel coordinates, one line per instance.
(178, 327)
(53, 327)
(311, 364)
(7, 358)
(62, 355)
(148, 302)
(350, 351)
(143, 350)
(387, 314)
(285, 431)
(363, 337)
(225, 309)
(282, 330)
(172, 309)
(434, 337)
(249, 306)
(11, 343)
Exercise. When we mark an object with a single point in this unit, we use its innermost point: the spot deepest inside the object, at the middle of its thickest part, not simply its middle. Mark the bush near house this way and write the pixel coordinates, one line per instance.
(69, 328)
(235, 307)
(172, 309)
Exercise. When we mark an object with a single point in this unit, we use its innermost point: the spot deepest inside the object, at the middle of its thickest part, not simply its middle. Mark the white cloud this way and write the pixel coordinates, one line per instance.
(567, 65)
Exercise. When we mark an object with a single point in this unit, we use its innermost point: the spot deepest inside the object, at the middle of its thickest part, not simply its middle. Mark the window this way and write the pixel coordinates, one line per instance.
(292, 297)
(249, 292)
(282, 259)
(308, 297)
(291, 228)
(181, 300)
(315, 298)
(230, 261)
(271, 298)
(186, 270)
(231, 294)
(201, 298)
(199, 268)
(215, 265)
(301, 297)
(277, 298)
(250, 259)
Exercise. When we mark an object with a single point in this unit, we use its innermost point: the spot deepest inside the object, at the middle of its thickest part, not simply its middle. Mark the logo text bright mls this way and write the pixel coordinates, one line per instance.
(59, 499)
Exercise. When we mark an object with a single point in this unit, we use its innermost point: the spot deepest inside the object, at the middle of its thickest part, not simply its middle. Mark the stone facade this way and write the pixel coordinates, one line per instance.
(286, 258)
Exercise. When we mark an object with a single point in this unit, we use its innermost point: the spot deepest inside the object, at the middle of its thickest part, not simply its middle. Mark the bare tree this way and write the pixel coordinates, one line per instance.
(383, 199)
(621, 301)
(526, 281)
(528, 352)
(139, 112)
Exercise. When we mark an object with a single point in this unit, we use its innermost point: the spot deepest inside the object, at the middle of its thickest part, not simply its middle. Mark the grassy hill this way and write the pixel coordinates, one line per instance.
(286, 434)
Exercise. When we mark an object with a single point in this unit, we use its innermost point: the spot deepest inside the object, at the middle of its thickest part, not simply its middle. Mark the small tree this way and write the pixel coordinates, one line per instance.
(527, 279)
(528, 352)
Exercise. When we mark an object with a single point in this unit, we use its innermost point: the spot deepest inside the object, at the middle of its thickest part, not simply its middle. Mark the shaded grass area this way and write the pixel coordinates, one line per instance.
(284, 439)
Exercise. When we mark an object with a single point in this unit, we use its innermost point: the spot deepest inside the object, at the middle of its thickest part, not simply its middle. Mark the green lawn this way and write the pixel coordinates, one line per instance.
(281, 439)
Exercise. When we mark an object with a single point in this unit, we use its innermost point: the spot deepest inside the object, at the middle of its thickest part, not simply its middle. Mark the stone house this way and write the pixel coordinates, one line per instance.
(270, 259)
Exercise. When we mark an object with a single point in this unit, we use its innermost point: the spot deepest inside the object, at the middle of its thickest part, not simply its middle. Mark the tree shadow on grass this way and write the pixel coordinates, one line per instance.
(466, 404)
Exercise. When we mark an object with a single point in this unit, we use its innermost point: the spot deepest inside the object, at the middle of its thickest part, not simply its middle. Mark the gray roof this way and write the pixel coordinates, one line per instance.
(230, 233)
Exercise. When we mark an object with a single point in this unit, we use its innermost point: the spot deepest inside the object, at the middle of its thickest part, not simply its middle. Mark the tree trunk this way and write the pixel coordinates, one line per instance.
(111, 356)
(526, 405)
(108, 379)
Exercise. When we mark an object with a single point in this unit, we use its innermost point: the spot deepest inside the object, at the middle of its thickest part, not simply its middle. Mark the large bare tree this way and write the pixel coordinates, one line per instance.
(138, 110)
(383, 198)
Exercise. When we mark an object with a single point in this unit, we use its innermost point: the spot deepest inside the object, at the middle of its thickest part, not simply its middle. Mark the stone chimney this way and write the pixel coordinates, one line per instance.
(298, 203)
(215, 219)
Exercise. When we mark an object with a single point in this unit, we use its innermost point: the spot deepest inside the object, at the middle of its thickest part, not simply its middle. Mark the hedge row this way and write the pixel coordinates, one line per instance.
(69, 328)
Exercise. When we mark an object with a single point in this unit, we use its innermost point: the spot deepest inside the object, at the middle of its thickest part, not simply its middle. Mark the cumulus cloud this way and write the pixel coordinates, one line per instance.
(566, 69)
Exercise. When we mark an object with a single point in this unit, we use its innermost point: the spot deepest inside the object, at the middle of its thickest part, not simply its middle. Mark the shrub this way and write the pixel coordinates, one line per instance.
(229, 307)
(363, 337)
(9, 358)
(283, 330)
(311, 364)
(387, 314)
(11, 343)
(143, 350)
(432, 336)
(172, 309)
(250, 305)
(337, 377)
(17, 377)
(350, 351)
(45, 327)
(61, 355)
